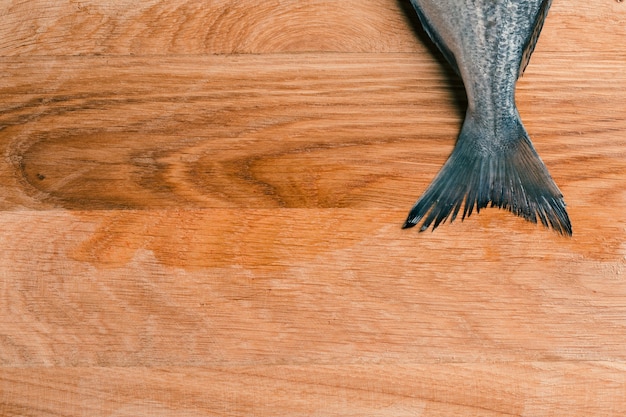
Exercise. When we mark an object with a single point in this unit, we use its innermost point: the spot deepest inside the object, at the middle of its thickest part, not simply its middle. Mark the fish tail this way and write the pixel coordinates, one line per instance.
(509, 175)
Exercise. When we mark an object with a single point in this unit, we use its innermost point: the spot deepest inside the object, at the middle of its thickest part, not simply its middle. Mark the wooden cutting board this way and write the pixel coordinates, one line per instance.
(201, 206)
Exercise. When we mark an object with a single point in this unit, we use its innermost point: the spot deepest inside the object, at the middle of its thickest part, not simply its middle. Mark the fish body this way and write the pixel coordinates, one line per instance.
(489, 43)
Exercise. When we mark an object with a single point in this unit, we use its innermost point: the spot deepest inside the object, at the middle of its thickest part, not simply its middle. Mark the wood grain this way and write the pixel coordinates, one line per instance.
(200, 211)
(303, 133)
(156, 27)
(212, 136)
(397, 390)
(300, 285)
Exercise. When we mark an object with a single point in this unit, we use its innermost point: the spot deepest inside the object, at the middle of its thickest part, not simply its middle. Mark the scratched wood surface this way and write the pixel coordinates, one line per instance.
(200, 211)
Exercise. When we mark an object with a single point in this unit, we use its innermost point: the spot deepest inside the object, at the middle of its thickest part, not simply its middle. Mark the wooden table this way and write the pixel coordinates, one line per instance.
(201, 206)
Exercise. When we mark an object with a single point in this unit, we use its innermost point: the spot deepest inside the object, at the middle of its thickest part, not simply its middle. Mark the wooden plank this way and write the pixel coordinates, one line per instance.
(216, 131)
(45, 27)
(285, 286)
(494, 390)
(325, 130)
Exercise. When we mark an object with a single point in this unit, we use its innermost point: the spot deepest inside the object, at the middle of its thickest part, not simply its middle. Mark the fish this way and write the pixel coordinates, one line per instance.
(488, 43)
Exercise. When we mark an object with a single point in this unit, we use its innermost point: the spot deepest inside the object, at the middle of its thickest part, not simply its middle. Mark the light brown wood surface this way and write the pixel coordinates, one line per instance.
(200, 212)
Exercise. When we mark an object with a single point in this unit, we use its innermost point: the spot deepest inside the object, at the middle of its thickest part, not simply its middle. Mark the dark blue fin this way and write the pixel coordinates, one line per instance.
(529, 47)
(509, 175)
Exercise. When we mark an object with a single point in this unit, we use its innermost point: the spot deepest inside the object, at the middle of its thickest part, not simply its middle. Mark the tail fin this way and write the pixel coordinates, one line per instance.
(507, 174)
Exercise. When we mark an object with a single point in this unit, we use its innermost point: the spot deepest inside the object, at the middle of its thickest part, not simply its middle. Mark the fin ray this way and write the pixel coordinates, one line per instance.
(512, 178)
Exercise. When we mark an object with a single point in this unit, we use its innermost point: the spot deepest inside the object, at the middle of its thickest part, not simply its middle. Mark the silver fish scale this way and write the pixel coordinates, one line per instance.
(487, 39)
